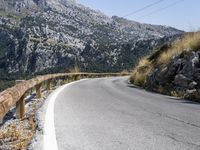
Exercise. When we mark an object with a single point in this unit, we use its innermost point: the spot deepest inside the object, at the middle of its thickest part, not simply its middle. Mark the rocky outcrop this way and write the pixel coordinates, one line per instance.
(181, 77)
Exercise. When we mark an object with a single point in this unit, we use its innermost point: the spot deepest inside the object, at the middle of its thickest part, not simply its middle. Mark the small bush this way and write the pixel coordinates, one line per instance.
(76, 69)
(140, 73)
(124, 72)
(138, 79)
(174, 94)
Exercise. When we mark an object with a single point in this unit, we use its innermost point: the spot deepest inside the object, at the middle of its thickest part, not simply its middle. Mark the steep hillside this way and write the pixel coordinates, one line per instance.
(39, 35)
(174, 69)
(46, 36)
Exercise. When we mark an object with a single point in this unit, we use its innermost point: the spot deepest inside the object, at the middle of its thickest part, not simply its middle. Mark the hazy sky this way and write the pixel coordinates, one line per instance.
(182, 14)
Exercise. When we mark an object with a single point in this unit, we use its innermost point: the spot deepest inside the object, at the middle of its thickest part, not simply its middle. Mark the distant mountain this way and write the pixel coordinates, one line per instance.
(55, 35)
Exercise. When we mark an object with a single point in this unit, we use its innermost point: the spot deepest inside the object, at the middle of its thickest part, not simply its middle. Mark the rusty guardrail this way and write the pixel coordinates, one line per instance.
(16, 94)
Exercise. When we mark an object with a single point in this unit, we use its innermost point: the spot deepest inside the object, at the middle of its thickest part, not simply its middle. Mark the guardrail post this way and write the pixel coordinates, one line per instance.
(62, 81)
(70, 78)
(66, 80)
(53, 83)
(90, 76)
(49, 85)
(76, 77)
(38, 90)
(58, 82)
(20, 107)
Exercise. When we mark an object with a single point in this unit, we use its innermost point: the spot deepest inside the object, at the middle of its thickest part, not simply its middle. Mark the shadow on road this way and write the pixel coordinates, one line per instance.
(184, 101)
(177, 99)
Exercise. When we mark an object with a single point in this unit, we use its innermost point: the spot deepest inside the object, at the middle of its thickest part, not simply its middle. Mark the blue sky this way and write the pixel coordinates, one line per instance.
(183, 15)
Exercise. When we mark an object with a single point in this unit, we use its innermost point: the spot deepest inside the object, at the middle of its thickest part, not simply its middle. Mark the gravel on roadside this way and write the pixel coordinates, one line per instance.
(17, 134)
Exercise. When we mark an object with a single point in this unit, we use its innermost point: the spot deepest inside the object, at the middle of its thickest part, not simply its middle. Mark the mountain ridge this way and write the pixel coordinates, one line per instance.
(55, 35)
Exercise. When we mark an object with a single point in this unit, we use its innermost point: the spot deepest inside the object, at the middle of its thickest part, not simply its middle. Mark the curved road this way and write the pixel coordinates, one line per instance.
(109, 114)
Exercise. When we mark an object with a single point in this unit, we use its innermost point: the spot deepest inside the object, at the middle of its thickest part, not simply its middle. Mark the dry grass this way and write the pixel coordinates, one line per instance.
(140, 73)
(17, 135)
(190, 42)
(76, 69)
(174, 94)
(124, 72)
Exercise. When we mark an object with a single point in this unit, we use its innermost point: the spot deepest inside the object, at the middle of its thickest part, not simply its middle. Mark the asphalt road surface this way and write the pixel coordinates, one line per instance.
(110, 114)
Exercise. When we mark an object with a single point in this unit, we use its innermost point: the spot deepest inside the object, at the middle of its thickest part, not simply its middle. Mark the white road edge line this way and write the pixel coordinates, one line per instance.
(50, 141)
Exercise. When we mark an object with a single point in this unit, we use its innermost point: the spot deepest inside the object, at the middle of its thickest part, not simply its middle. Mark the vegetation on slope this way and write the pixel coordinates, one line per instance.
(175, 63)
(190, 42)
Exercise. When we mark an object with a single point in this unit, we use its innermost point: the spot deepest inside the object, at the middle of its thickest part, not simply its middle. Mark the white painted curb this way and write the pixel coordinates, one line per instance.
(50, 142)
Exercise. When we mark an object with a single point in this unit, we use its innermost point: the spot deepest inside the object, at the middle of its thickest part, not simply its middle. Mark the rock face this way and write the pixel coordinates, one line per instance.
(182, 75)
(54, 35)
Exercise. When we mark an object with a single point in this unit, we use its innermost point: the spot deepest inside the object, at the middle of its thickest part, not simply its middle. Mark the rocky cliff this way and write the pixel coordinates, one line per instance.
(181, 77)
(174, 69)
(54, 35)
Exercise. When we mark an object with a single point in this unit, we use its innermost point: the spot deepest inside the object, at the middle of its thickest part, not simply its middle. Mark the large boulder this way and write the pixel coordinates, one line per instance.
(181, 80)
(181, 75)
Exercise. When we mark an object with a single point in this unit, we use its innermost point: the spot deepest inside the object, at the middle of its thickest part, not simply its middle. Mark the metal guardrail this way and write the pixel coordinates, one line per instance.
(16, 94)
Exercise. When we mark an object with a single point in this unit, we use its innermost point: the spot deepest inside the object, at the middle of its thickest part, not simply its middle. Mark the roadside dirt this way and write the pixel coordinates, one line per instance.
(17, 134)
